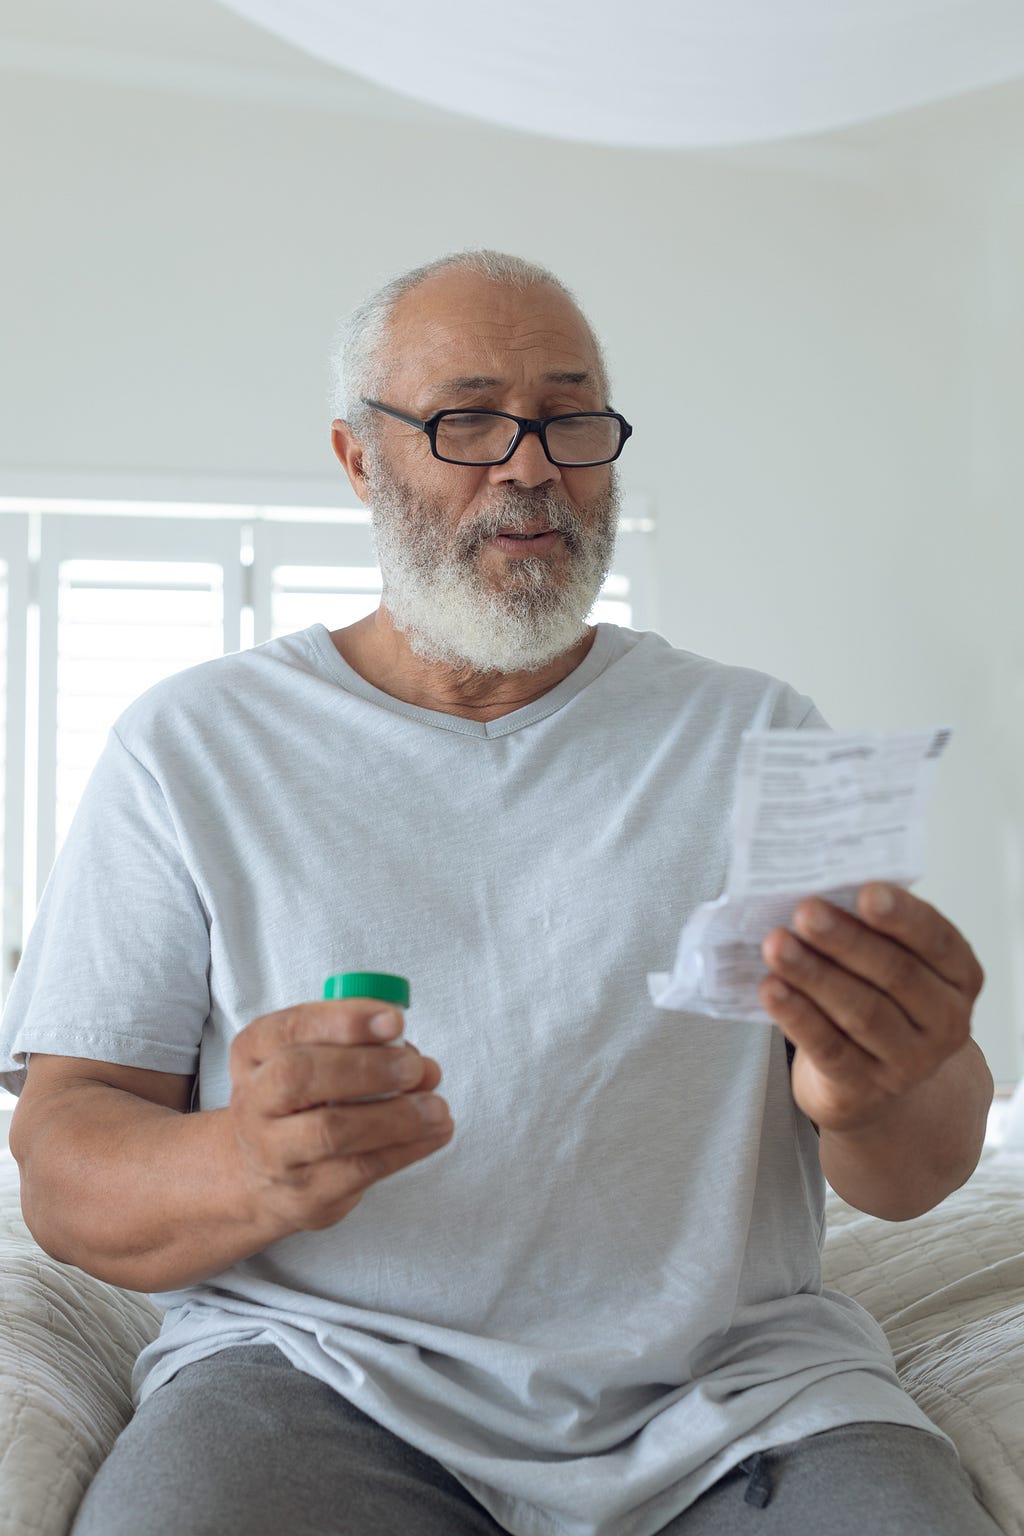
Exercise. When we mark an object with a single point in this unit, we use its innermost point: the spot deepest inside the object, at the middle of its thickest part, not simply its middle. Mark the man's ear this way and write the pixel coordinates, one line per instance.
(349, 451)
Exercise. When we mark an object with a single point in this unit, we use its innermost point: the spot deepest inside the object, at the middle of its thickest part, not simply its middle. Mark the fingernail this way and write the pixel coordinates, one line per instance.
(880, 901)
(408, 1070)
(433, 1110)
(789, 950)
(385, 1025)
(818, 919)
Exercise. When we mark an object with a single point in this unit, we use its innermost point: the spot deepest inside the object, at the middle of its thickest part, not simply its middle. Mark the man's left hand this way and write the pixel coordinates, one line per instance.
(874, 1003)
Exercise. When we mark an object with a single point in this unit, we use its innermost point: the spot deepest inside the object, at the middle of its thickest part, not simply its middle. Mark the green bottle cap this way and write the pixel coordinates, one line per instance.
(390, 989)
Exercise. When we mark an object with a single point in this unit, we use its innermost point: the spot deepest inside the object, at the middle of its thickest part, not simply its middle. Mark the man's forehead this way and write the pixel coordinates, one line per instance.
(465, 335)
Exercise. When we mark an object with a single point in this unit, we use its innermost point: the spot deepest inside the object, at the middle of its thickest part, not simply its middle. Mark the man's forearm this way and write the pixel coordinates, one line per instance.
(137, 1194)
(927, 1145)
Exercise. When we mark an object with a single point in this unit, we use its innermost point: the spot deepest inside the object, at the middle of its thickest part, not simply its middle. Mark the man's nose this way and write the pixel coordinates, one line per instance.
(529, 465)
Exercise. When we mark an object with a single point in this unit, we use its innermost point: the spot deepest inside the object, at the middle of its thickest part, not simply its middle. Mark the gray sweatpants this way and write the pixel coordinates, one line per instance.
(244, 1444)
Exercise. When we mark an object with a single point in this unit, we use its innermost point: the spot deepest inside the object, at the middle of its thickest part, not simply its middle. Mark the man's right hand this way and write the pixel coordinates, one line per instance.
(310, 1143)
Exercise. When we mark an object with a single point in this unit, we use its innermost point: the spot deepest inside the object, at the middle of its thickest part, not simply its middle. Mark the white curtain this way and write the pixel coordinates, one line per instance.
(661, 72)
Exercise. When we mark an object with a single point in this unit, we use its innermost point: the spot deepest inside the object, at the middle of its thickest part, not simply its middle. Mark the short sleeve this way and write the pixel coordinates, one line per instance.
(813, 720)
(788, 710)
(116, 967)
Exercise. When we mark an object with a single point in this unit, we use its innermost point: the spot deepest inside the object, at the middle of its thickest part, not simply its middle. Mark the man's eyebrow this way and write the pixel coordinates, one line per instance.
(470, 383)
(582, 377)
(466, 384)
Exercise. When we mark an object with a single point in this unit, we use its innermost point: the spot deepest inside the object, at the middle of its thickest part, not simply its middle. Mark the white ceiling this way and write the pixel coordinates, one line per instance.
(664, 74)
(201, 47)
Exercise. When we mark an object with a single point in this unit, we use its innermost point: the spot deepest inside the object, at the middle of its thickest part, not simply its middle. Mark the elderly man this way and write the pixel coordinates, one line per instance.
(581, 1294)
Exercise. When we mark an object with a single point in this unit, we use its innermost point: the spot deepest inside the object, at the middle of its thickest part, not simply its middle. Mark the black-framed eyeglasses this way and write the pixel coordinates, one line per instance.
(576, 440)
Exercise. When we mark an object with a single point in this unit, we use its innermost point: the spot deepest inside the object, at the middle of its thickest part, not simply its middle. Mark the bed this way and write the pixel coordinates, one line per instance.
(948, 1288)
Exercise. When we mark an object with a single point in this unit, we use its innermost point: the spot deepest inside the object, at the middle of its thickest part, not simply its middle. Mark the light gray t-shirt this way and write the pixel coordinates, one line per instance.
(606, 1290)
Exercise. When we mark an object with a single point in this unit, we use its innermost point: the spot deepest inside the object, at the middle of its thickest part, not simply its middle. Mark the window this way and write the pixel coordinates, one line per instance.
(122, 625)
(14, 563)
(99, 601)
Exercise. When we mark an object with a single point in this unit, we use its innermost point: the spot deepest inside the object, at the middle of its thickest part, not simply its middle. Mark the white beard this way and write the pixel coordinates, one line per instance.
(451, 612)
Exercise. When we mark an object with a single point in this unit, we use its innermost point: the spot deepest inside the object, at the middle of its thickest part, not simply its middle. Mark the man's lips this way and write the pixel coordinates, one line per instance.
(526, 544)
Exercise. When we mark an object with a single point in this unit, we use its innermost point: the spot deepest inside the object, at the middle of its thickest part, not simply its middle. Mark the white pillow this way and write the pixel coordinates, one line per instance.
(948, 1289)
(67, 1347)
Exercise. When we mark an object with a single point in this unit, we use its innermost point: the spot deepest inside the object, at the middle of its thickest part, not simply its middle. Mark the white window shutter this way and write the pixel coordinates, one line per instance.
(14, 532)
(309, 573)
(124, 602)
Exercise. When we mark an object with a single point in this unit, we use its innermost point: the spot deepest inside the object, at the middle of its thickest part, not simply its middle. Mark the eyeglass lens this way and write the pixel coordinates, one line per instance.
(478, 437)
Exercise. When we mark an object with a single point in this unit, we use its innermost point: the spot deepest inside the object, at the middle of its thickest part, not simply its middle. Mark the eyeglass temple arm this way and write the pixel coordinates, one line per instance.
(413, 421)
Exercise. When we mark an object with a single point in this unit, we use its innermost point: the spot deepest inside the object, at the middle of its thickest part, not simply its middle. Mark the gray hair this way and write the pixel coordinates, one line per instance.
(359, 365)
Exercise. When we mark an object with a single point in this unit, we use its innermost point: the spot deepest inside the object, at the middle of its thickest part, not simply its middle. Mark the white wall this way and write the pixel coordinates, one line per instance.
(818, 343)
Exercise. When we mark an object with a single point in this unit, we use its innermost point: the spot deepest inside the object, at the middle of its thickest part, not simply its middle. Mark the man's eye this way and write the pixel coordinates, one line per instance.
(467, 420)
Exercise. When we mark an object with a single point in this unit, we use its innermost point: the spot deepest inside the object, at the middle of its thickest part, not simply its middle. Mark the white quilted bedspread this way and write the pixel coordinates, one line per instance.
(67, 1345)
(948, 1288)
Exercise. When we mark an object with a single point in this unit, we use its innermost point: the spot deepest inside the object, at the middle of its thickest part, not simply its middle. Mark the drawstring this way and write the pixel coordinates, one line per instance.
(759, 1488)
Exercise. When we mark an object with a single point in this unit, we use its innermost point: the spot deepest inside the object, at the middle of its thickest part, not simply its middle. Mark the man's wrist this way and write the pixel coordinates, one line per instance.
(918, 1149)
(250, 1204)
